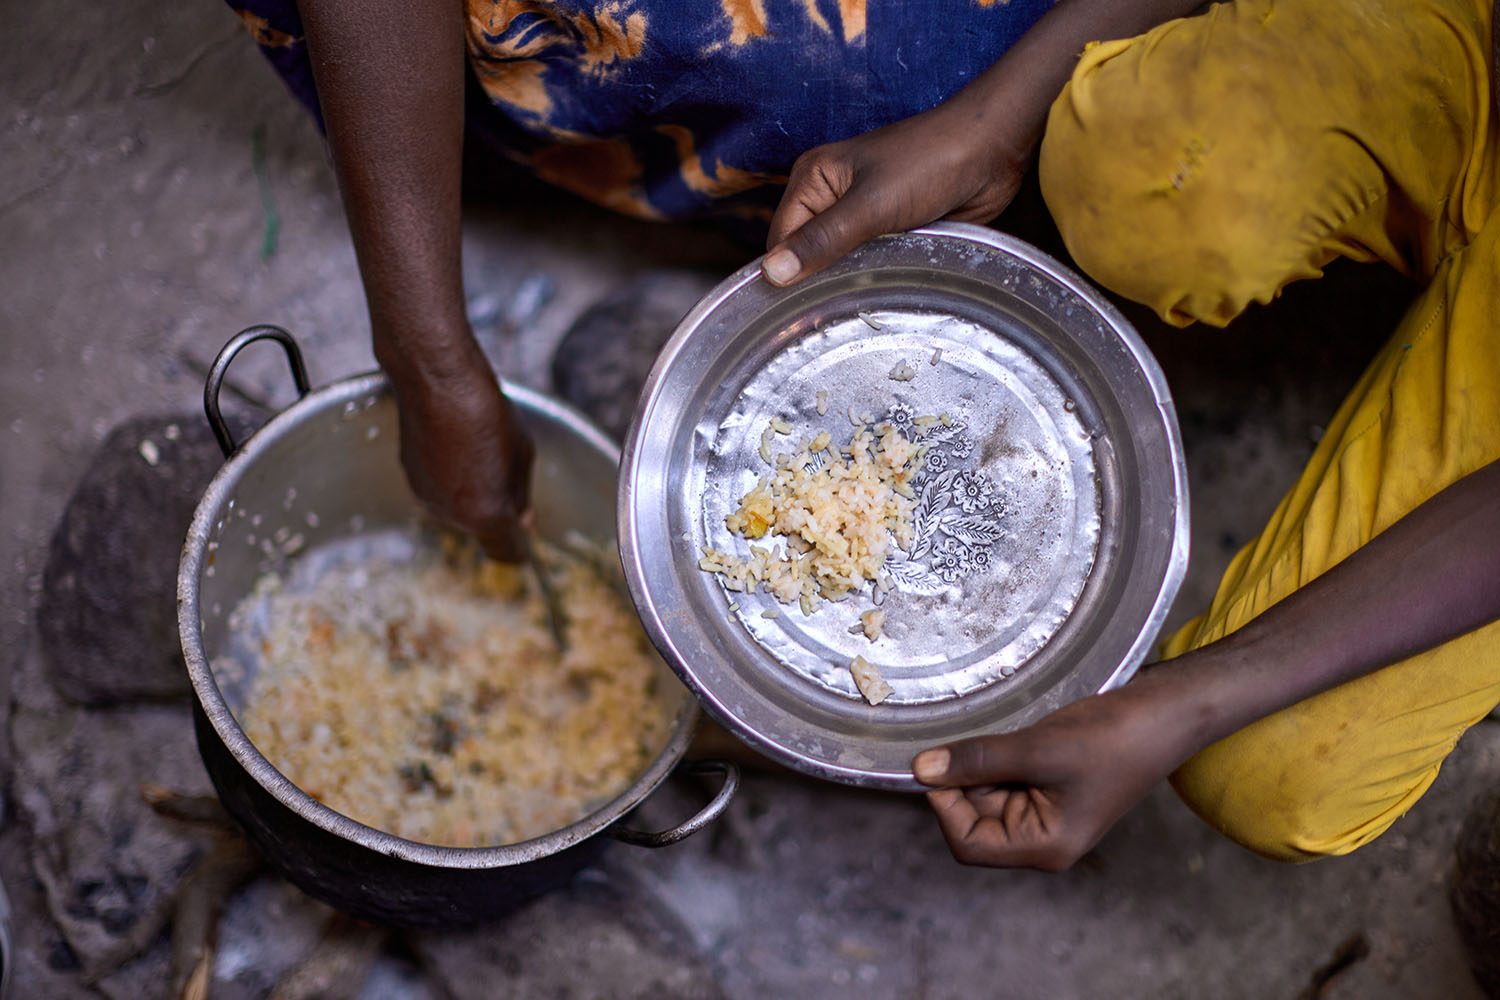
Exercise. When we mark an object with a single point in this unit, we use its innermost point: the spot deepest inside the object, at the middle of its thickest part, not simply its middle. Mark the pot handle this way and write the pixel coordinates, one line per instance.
(220, 368)
(705, 816)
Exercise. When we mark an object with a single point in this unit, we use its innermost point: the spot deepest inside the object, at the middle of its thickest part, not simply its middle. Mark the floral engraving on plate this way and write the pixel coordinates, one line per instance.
(958, 515)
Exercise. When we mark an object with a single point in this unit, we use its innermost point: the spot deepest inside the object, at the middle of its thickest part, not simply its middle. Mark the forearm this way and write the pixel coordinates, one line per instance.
(390, 80)
(1432, 576)
(1011, 99)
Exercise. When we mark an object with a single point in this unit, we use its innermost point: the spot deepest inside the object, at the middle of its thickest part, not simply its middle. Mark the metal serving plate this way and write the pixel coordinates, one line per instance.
(1051, 515)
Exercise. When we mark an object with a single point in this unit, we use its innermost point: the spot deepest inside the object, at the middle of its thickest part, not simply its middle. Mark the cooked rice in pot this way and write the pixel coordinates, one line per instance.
(428, 699)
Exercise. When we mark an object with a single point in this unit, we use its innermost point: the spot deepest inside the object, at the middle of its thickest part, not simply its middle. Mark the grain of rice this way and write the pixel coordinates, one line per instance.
(937, 355)
(871, 622)
(822, 402)
(869, 681)
(903, 372)
(770, 613)
(870, 321)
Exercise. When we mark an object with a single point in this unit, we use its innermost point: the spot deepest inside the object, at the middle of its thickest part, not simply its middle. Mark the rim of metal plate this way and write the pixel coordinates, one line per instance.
(1027, 300)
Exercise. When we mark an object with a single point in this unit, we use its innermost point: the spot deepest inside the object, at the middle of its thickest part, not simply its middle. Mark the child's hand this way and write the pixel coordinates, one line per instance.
(942, 164)
(1042, 797)
(962, 160)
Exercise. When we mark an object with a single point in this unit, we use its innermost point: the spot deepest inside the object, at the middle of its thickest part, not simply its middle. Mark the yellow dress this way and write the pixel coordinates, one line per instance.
(1206, 165)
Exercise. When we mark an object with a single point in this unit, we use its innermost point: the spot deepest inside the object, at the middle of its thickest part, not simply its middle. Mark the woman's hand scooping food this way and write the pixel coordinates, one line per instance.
(467, 457)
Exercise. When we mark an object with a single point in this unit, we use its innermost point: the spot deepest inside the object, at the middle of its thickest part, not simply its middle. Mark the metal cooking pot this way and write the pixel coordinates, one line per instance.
(327, 469)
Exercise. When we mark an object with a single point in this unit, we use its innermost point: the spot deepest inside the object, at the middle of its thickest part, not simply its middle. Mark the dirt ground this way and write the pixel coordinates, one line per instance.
(161, 191)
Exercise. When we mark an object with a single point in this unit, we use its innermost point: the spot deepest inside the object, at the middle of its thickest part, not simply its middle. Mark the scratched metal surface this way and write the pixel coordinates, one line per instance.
(1052, 514)
(1007, 512)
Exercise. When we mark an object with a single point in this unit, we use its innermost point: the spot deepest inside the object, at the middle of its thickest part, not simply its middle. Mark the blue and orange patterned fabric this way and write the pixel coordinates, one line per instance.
(689, 108)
